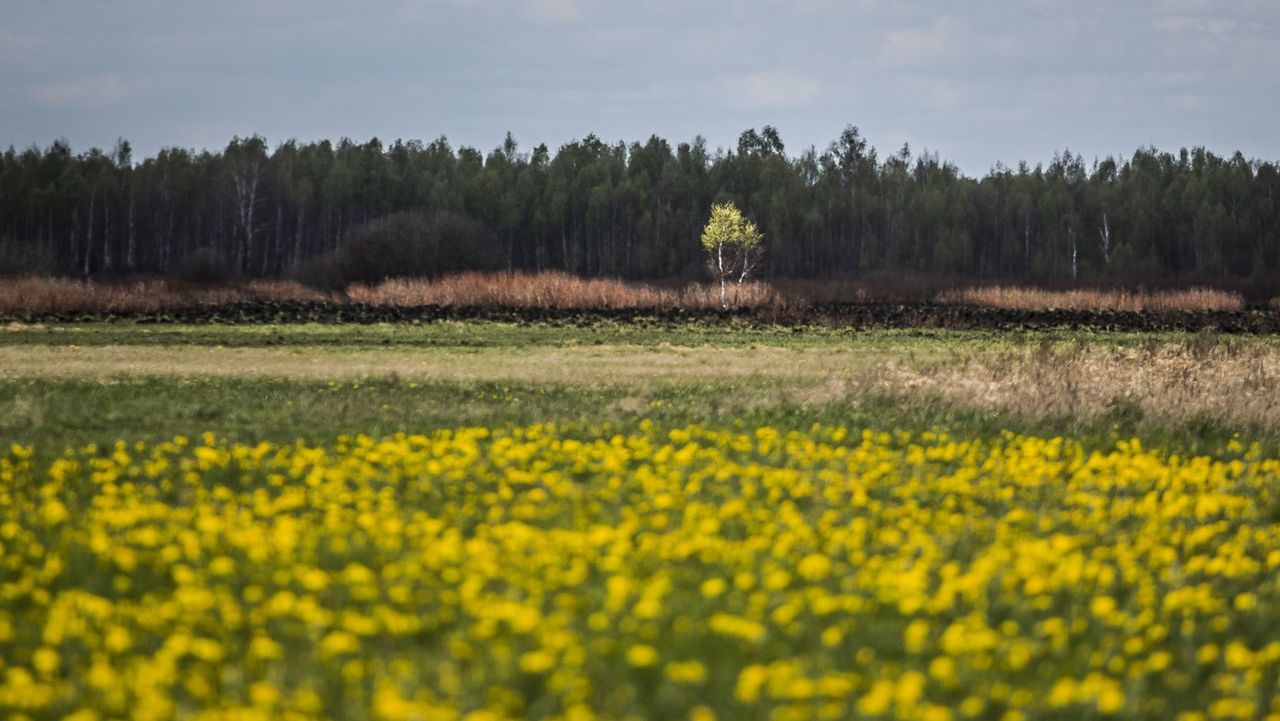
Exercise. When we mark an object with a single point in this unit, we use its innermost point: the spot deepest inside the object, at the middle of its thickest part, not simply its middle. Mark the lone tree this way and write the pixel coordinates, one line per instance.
(733, 246)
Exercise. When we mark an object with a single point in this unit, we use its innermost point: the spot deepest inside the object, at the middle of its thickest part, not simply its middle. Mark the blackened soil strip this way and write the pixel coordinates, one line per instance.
(1255, 321)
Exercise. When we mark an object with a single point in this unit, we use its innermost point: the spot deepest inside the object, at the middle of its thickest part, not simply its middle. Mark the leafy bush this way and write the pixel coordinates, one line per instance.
(203, 267)
(23, 259)
(408, 244)
(322, 273)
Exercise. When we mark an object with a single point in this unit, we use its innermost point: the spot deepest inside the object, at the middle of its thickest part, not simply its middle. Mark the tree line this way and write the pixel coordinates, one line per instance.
(637, 210)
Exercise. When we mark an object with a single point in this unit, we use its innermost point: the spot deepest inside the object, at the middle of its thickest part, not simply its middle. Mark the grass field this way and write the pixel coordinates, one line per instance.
(96, 383)
(481, 521)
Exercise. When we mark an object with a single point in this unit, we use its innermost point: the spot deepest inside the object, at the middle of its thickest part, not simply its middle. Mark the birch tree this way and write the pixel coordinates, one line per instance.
(733, 247)
(245, 159)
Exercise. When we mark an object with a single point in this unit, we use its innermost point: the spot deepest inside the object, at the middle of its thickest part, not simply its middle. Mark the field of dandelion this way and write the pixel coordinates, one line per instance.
(469, 522)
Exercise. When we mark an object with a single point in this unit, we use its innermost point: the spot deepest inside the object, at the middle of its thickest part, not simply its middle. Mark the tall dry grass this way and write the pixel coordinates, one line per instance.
(556, 290)
(562, 290)
(1093, 299)
(1201, 378)
(59, 295)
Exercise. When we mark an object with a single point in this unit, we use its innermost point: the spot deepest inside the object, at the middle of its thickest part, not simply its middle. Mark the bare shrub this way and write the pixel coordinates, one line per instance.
(562, 290)
(1023, 298)
(53, 295)
(550, 290)
(60, 295)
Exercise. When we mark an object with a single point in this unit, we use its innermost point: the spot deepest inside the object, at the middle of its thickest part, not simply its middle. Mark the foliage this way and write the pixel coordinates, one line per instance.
(726, 227)
(668, 572)
(17, 259)
(406, 244)
(203, 267)
(635, 210)
(733, 247)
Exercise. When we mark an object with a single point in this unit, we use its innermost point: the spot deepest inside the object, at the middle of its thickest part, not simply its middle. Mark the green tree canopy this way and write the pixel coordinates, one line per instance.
(637, 211)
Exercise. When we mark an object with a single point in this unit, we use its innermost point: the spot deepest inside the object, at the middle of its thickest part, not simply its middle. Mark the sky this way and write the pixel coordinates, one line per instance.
(977, 82)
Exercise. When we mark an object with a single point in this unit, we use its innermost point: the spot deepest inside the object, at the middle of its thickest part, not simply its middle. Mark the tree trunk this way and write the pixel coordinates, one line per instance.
(1026, 238)
(88, 242)
(1075, 268)
(73, 243)
(724, 297)
(129, 244)
(297, 239)
(106, 234)
(564, 248)
(246, 180)
(1104, 238)
(272, 261)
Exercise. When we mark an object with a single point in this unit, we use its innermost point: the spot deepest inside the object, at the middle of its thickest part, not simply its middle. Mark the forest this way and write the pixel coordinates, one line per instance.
(636, 210)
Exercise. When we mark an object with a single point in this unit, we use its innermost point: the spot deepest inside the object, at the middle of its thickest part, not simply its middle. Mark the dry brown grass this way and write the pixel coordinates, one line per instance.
(554, 290)
(1159, 383)
(57, 295)
(564, 291)
(1023, 298)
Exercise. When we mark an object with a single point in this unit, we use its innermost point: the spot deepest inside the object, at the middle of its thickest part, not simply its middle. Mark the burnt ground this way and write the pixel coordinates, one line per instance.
(1253, 321)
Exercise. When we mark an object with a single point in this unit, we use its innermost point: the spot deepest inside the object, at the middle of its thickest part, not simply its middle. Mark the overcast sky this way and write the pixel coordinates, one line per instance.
(978, 82)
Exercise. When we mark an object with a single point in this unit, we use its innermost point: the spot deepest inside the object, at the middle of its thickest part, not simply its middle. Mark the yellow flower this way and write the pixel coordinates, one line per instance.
(338, 642)
(686, 672)
(877, 700)
(46, 661)
(750, 681)
(713, 587)
(814, 567)
(1102, 606)
(816, 573)
(642, 655)
(537, 662)
(916, 635)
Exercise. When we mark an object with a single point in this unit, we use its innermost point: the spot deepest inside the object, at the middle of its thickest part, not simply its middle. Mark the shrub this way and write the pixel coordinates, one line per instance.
(551, 290)
(408, 244)
(23, 259)
(322, 273)
(1025, 298)
(203, 267)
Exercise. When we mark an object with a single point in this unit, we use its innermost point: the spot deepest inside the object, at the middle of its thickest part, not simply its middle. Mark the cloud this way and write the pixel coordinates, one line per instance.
(993, 79)
(1188, 102)
(947, 95)
(774, 89)
(556, 12)
(943, 37)
(21, 51)
(96, 91)
(1204, 25)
